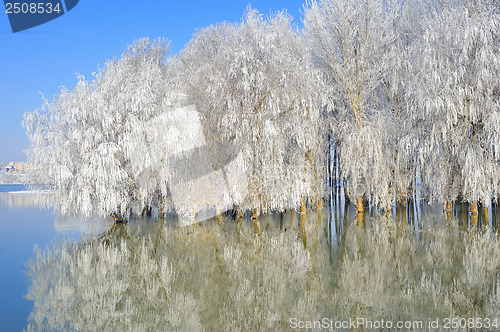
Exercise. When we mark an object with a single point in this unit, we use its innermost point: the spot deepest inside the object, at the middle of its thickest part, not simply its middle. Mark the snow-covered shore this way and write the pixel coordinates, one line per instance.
(13, 178)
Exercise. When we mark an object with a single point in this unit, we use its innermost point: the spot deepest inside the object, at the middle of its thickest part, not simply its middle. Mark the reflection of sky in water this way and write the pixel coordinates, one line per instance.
(23, 224)
(21, 228)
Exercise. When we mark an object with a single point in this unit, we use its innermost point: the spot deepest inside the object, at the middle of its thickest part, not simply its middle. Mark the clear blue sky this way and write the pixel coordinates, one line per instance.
(44, 58)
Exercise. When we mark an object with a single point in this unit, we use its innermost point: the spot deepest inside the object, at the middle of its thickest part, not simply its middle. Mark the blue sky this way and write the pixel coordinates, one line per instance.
(44, 58)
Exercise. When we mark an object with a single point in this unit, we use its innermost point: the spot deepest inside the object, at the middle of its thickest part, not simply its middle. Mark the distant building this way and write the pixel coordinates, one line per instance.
(18, 167)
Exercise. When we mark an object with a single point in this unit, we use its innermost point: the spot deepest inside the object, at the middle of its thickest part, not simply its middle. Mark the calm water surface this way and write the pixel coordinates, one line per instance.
(91, 275)
(24, 225)
(12, 188)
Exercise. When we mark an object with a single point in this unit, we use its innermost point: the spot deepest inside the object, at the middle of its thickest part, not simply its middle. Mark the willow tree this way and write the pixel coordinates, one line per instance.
(91, 144)
(253, 84)
(458, 92)
(402, 19)
(347, 39)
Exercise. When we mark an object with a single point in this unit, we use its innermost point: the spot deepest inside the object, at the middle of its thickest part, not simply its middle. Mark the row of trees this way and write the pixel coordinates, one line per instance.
(404, 93)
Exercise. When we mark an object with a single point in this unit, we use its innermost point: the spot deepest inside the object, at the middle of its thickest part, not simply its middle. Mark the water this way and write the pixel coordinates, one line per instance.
(4, 188)
(24, 224)
(284, 271)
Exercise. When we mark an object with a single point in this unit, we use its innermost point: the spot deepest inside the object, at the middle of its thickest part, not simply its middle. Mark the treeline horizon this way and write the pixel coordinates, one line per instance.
(389, 96)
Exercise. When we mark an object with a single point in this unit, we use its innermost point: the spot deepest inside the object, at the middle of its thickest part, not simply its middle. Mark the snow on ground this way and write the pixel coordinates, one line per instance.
(13, 178)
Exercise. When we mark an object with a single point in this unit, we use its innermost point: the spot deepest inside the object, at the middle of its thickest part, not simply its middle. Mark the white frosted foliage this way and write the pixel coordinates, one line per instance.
(394, 96)
(457, 89)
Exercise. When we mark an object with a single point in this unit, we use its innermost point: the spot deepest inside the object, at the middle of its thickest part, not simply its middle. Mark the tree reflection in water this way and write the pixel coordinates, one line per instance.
(149, 275)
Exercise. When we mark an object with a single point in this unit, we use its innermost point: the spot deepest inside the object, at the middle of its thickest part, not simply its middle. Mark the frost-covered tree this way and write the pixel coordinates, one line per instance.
(254, 86)
(95, 145)
(458, 92)
(407, 91)
(402, 18)
(349, 40)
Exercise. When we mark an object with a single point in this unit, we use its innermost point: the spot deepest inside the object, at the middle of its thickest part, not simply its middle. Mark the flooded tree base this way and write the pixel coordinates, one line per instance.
(118, 219)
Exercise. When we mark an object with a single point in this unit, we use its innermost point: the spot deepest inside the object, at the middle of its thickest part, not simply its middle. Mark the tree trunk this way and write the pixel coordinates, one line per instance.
(255, 214)
(448, 206)
(118, 219)
(448, 209)
(360, 218)
(303, 209)
(256, 225)
(486, 218)
(473, 220)
(361, 210)
(473, 207)
(403, 217)
(239, 214)
(360, 204)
